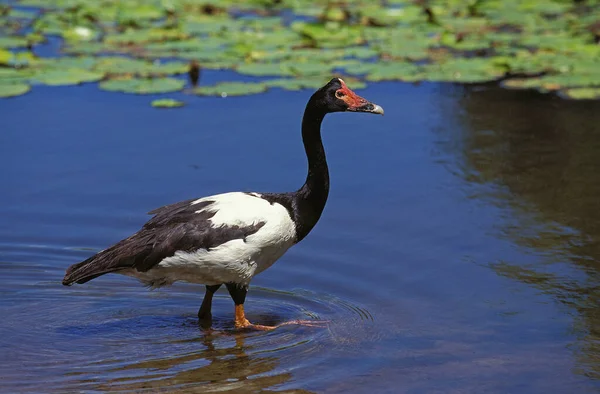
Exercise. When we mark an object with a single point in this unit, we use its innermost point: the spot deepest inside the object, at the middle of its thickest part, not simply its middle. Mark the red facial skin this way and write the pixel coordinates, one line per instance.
(352, 99)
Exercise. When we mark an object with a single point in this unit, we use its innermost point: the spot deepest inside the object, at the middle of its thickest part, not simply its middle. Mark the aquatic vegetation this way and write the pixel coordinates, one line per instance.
(167, 103)
(13, 89)
(143, 85)
(134, 46)
(225, 89)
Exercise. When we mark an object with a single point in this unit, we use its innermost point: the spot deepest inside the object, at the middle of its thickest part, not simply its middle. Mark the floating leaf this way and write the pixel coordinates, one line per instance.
(401, 71)
(12, 90)
(310, 68)
(143, 85)
(123, 65)
(83, 62)
(226, 89)
(296, 83)
(11, 75)
(13, 42)
(5, 56)
(464, 70)
(582, 93)
(167, 103)
(555, 82)
(329, 35)
(68, 76)
(265, 69)
(144, 36)
(551, 41)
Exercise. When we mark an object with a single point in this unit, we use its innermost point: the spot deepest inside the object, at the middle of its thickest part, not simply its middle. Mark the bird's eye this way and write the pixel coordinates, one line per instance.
(339, 94)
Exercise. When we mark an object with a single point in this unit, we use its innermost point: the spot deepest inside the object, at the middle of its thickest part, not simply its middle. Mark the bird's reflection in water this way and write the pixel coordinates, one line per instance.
(223, 362)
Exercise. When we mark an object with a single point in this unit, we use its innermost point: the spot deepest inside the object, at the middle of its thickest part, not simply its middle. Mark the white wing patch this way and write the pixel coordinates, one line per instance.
(237, 260)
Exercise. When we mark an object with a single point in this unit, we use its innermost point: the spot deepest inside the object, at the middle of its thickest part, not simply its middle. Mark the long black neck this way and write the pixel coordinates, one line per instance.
(310, 199)
(306, 205)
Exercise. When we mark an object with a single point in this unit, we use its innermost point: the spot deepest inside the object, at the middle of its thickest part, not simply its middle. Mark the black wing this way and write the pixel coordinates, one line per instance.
(176, 227)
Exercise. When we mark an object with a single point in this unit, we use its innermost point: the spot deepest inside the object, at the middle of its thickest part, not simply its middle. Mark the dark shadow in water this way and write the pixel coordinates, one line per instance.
(539, 158)
(223, 362)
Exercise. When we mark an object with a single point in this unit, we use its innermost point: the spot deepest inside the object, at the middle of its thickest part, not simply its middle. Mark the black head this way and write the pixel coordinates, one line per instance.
(337, 97)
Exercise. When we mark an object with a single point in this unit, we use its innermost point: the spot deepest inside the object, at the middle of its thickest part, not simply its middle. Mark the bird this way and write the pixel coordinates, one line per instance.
(227, 239)
(194, 72)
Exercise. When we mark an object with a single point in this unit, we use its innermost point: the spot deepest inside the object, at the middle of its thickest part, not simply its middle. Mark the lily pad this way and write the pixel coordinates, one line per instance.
(123, 65)
(400, 71)
(296, 83)
(582, 93)
(144, 36)
(143, 85)
(265, 69)
(226, 89)
(12, 76)
(13, 90)
(167, 103)
(464, 70)
(329, 35)
(69, 76)
(551, 43)
(13, 42)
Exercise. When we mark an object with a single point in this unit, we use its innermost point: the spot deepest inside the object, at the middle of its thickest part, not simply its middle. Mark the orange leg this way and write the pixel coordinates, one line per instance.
(242, 322)
(238, 293)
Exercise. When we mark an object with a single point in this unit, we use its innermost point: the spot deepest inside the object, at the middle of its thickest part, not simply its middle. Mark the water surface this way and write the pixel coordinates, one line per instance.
(457, 253)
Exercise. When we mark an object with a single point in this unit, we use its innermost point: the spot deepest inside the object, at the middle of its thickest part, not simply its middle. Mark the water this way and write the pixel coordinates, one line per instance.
(457, 253)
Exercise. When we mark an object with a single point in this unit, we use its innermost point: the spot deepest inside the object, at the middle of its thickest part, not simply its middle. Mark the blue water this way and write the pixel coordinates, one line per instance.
(450, 257)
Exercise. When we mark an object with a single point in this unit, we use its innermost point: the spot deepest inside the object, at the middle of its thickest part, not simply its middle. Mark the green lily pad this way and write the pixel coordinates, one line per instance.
(437, 40)
(143, 85)
(582, 93)
(22, 14)
(399, 71)
(464, 70)
(360, 52)
(265, 69)
(68, 62)
(144, 36)
(167, 103)
(88, 48)
(69, 76)
(5, 56)
(296, 83)
(310, 68)
(13, 42)
(226, 89)
(123, 65)
(17, 60)
(12, 76)
(329, 35)
(13, 90)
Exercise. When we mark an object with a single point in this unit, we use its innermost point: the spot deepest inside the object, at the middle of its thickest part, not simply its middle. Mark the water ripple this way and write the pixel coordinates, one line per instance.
(114, 335)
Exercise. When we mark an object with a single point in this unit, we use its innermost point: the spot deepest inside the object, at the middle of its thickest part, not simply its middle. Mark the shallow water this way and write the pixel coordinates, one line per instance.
(457, 253)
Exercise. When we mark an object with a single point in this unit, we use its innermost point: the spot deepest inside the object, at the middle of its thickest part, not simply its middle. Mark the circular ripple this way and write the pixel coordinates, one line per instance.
(111, 334)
